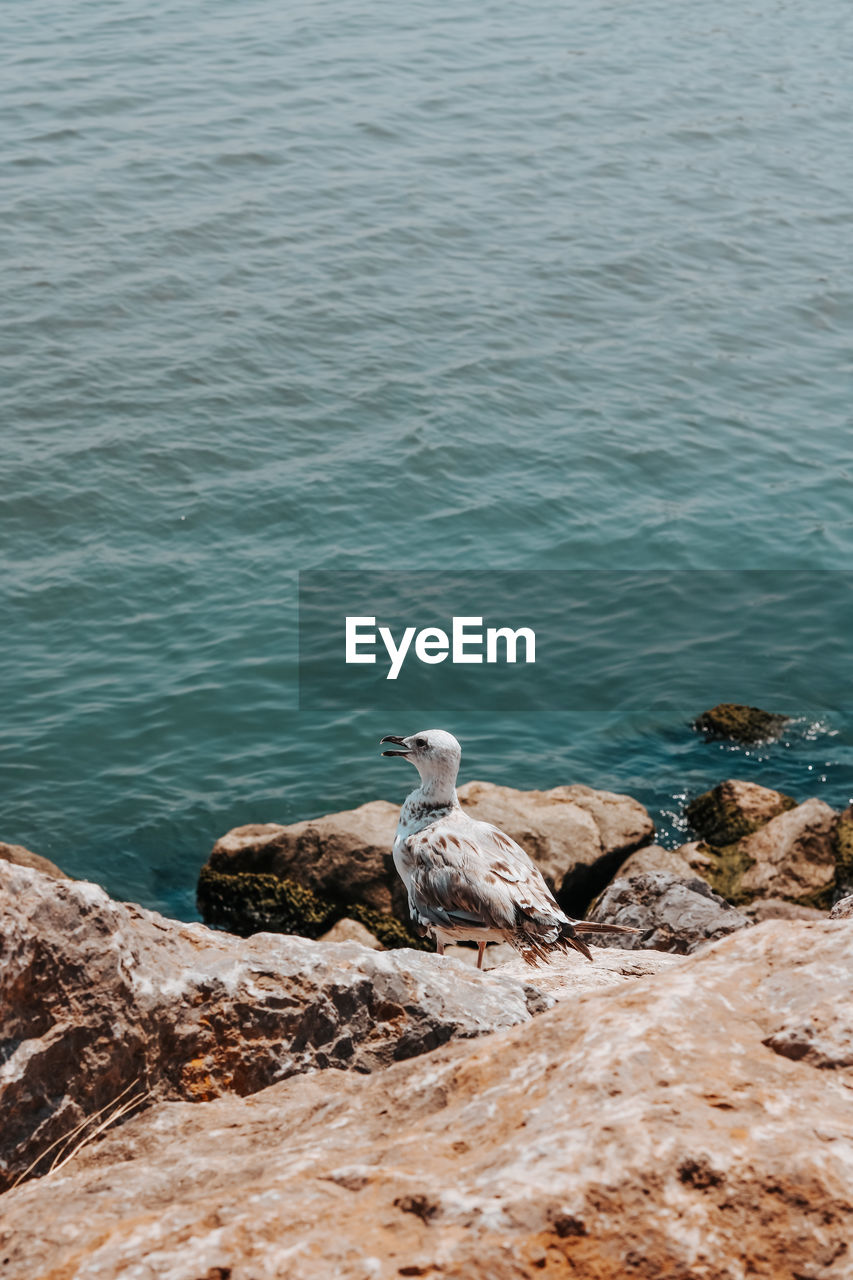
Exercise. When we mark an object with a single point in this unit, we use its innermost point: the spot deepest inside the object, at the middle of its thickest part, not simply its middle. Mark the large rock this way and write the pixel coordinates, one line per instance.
(698, 1124)
(654, 857)
(303, 877)
(793, 856)
(671, 915)
(351, 931)
(21, 857)
(99, 997)
(734, 809)
(741, 724)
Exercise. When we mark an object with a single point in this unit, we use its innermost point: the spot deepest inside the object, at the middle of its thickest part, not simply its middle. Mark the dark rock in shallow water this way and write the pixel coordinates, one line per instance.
(741, 724)
(734, 809)
(671, 914)
(101, 999)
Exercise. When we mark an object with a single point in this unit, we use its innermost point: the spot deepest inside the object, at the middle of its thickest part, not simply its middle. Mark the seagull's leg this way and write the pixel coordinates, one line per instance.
(439, 947)
(481, 951)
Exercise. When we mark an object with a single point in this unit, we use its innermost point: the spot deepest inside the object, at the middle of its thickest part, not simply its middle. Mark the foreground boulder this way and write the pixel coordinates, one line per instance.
(734, 809)
(741, 724)
(302, 878)
(698, 1124)
(670, 914)
(101, 1000)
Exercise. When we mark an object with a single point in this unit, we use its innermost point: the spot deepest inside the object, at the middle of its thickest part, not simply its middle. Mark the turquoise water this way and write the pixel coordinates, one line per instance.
(458, 286)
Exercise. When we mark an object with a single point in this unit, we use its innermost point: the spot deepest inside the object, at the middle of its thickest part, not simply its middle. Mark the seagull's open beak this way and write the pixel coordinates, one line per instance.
(401, 742)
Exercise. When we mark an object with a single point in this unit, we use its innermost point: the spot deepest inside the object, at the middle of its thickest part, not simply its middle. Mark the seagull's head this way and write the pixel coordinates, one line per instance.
(433, 752)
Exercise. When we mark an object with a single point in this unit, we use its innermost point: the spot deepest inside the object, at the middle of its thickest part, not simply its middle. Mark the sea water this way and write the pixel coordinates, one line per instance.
(458, 286)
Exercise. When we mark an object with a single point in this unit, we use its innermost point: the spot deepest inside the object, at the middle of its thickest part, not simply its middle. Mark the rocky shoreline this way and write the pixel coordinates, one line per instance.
(188, 1103)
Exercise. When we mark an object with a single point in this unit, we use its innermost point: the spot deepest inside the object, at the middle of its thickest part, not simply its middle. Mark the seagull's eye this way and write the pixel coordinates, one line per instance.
(420, 742)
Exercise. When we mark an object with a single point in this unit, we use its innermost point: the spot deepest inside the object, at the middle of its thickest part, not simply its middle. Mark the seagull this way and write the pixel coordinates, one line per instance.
(466, 879)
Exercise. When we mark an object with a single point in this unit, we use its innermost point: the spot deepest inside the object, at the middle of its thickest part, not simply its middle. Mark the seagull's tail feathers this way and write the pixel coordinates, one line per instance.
(592, 926)
(569, 938)
(537, 937)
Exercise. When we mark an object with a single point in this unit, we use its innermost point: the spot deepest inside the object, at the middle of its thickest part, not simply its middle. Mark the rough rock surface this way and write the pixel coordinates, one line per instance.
(569, 974)
(734, 809)
(98, 996)
(653, 857)
(302, 878)
(779, 909)
(351, 931)
(843, 909)
(672, 915)
(696, 1126)
(305, 876)
(792, 856)
(22, 857)
(741, 724)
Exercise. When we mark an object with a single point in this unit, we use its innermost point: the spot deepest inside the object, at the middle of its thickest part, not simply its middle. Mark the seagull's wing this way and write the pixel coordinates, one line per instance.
(467, 872)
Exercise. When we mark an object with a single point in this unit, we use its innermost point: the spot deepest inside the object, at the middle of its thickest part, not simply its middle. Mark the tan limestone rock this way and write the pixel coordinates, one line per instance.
(696, 1123)
(346, 930)
(734, 809)
(22, 857)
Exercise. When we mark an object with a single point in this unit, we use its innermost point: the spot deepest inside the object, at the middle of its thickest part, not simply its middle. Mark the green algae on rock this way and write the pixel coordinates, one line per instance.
(792, 856)
(248, 902)
(740, 723)
(734, 809)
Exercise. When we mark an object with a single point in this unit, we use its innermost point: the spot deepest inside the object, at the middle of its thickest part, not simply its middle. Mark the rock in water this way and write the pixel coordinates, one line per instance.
(741, 724)
(793, 856)
(97, 997)
(303, 877)
(672, 915)
(22, 857)
(734, 809)
(697, 1124)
